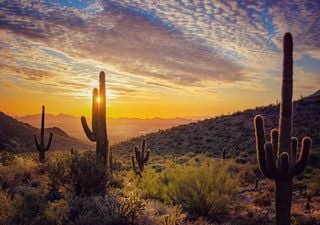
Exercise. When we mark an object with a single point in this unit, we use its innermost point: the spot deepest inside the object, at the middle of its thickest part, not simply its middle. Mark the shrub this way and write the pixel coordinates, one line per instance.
(200, 188)
(6, 209)
(114, 209)
(77, 173)
(6, 158)
(29, 208)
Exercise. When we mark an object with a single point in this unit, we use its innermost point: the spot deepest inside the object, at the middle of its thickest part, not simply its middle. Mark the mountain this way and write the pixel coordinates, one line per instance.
(234, 132)
(119, 129)
(18, 136)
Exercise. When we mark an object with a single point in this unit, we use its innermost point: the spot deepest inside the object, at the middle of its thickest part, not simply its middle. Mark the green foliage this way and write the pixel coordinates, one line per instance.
(6, 209)
(199, 193)
(77, 173)
(6, 158)
(114, 209)
(29, 207)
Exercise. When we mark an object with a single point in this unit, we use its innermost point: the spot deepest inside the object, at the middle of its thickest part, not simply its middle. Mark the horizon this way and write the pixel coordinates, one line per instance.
(160, 60)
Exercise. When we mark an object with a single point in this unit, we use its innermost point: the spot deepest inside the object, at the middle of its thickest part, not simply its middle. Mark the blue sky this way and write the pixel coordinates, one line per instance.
(198, 52)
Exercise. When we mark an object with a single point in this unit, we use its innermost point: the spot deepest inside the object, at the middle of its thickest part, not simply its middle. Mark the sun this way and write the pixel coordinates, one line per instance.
(98, 100)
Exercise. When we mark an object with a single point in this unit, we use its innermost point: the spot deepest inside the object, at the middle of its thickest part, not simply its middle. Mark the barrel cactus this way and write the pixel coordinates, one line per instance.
(278, 159)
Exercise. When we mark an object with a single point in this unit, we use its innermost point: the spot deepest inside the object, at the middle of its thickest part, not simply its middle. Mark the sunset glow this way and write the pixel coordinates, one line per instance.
(161, 58)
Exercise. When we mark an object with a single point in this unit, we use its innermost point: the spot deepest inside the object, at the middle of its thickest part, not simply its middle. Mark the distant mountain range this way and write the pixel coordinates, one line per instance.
(119, 129)
(234, 132)
(19, 137)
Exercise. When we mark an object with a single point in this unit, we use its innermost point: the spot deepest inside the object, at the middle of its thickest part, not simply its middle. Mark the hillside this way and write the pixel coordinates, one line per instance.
(235, 132)
(18, 136)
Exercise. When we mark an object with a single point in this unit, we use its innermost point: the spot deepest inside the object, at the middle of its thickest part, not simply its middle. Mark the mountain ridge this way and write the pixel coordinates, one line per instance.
(18, 136)
(235, 132)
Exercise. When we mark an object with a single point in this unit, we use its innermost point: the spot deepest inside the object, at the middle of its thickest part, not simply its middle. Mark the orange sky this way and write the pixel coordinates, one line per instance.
(159, 63)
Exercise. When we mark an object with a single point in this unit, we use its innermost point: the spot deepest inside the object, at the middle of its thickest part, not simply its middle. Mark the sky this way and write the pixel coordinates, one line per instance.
(185, 58)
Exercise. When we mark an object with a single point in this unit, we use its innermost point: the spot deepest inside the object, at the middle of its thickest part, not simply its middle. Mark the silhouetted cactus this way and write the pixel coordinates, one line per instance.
(41, 147)
(141, 158)
(112, 160)
(277, 159)
(256, 185)
(223, 154)
(98, 133)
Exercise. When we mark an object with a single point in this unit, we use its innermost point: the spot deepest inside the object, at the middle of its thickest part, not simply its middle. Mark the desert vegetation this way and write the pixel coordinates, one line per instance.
(115, 186)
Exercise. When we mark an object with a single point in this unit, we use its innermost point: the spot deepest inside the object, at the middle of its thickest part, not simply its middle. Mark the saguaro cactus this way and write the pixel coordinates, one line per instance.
(223, 154)
(112, 161)
(141, 158)
(277, 159)
(98, 133)
(41, 147)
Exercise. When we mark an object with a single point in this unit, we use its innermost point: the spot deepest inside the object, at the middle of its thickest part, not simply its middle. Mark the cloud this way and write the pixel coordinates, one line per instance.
(199, 45)
(9, 85)
(27, 73)
(125, 41)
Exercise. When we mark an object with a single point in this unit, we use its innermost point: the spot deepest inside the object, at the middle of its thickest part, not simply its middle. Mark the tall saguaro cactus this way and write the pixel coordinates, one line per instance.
(141, 158)
(41, 147)
(98, 133)
(278, 159)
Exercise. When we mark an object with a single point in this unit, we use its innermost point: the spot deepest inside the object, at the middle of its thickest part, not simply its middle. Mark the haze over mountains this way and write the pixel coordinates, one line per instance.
(235, 132)
(120, 129)
(17, 136)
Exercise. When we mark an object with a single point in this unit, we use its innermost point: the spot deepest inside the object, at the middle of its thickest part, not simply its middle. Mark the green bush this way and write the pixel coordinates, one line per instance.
(200, 188)
(29, 207)
(77, 173)
(6, 208)
(114, 209)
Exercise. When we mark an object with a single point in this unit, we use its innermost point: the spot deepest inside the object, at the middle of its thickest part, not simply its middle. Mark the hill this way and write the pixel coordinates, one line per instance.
(234, 132)
(18, 136)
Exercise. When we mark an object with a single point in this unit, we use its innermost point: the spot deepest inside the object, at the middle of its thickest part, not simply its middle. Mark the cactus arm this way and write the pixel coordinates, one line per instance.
(274, 140)
(143, 147)
(294, 149)
(284, 165)
(42, 126)
(137, 153)
(136, 171)
(285, 120)
(49, 142)
(260, 142)
(37, 143)
(270, 160)
(300, 165)
(91, 135)
(146, 159)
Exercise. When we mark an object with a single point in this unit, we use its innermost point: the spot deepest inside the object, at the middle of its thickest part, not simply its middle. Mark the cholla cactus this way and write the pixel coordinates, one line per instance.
(141, 158)
(277, 159)
(98, 133)
(41, 147)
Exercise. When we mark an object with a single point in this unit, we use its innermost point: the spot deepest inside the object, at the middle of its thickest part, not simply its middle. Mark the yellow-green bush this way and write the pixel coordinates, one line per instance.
(200, 188)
